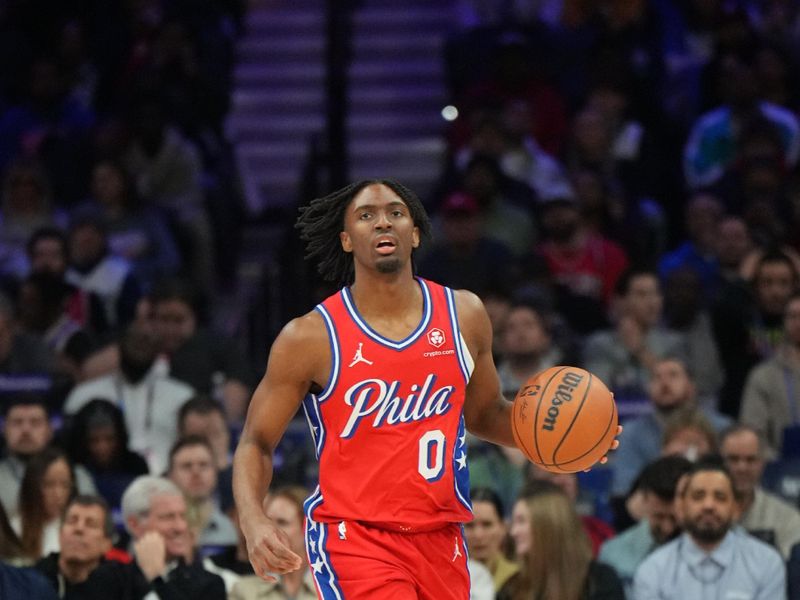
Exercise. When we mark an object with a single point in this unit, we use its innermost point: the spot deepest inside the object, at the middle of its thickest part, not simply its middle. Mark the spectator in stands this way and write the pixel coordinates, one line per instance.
(688, 433)
(502, 220)
(527, 347)
(711, 559)
(27, 432)
(85, 535)
(671, 389)
(47, 487)
(554, 553)
(168, 173)
(763, 514)
(192, 469)
(486, 535)
(748, 325)
(149, 400)
(732, 245)
(285, 507)
(624, 357)
(659, 525)
(686, 313)
(597, 530)
(98, 439)
(43, 310)
(48, 252)
(769, 401)
(95, 269)
(24, 207)
(712, 144)
(202, 416)
(208, 361)
(154, 512)
(585, 266)
(25, 362)
(10, 547)
(464, 257)
(136, 232)
(16, 582)
(231, 563)
(702, 217)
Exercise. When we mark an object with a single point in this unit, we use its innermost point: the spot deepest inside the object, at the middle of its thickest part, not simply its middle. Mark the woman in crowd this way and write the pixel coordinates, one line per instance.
(98, 440)
(554, 553)
(486, 535)
(47, 486)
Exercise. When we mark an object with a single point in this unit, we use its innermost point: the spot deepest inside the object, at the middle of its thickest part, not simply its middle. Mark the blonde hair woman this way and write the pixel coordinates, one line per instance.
(554, 553)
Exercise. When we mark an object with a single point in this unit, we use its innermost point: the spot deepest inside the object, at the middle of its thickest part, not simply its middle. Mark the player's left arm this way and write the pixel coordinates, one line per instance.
(486, 412)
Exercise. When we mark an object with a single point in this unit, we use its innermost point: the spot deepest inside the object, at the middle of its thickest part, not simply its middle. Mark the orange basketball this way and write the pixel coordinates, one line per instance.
(564, 419)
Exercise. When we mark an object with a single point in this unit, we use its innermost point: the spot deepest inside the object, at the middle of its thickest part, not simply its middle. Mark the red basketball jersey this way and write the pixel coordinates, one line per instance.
(388, 427)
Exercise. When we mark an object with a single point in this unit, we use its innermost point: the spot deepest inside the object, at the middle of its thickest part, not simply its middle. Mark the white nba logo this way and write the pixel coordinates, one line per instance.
(436, 337)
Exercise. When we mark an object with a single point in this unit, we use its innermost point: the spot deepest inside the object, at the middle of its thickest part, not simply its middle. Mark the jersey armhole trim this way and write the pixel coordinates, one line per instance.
(465, 360)
(333, 342)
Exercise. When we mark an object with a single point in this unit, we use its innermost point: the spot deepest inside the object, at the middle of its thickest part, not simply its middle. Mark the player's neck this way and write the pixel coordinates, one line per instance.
(384, 293)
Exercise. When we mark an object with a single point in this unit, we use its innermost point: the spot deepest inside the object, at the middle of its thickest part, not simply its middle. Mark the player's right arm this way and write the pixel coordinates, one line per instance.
(298, 360)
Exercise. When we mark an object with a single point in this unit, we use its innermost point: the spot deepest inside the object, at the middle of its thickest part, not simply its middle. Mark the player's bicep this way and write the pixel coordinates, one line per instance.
(293, 361)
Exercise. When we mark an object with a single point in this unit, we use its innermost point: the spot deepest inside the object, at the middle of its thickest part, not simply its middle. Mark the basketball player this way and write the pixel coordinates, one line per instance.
(390, 372)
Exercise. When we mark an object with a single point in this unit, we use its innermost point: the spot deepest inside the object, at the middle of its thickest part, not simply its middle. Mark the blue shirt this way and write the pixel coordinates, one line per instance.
(627, 551)
(740, 568)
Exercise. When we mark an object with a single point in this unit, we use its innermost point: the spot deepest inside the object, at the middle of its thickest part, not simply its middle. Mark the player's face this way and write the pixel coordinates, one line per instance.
(286, 516)
(521, 528)
(379, 230)
(485, 532)
(740, 451)
(708, 505)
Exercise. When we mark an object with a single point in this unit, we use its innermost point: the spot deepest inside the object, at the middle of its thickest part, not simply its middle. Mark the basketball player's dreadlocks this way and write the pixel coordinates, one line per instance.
(323, 219)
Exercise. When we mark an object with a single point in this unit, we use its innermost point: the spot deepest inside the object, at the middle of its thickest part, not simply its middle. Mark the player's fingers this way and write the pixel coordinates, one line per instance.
(615, 444)
(604, 460)
(265, 560)
(619, 430)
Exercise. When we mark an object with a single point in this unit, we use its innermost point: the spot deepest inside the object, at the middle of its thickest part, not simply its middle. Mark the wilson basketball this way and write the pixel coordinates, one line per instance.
(564, 419)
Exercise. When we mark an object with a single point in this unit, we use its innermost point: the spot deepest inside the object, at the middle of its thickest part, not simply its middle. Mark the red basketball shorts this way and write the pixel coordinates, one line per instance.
(354, 561)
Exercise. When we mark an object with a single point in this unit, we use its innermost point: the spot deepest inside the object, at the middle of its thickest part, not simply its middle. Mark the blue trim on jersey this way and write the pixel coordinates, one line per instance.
(451, 306)
(315, 424)
(461, 475)
(316, 535)
(374, 335)
(333, 341)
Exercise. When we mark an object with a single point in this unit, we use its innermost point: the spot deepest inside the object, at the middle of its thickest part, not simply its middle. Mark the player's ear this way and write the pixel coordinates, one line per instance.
(415, 237)
(347, 244)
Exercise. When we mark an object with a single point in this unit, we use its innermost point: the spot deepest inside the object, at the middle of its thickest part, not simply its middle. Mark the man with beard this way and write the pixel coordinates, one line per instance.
(657, 483)
(149, 400)
(711, 559)
(671, 390)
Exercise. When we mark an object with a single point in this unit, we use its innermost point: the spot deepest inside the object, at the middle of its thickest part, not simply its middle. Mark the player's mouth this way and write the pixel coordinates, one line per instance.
(385, 245)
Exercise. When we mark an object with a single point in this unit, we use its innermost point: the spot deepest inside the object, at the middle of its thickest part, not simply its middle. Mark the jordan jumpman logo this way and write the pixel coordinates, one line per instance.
(359, 357)
(457, 552)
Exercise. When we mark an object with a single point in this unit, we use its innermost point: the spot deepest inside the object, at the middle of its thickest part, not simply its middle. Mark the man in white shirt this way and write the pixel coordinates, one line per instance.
(149, 400)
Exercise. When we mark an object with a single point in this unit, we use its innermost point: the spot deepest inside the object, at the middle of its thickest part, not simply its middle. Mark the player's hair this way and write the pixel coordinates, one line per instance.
(321, 222)
(557, 563)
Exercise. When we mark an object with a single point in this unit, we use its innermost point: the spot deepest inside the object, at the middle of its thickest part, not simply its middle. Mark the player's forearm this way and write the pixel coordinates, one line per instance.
(493, 424)
(252, 474)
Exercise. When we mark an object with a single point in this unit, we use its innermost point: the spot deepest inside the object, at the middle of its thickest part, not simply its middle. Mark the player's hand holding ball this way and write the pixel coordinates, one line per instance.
(564, 420)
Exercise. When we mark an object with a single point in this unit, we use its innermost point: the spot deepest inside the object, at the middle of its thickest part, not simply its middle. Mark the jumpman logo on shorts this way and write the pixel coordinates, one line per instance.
(457, 552)
(359, 357)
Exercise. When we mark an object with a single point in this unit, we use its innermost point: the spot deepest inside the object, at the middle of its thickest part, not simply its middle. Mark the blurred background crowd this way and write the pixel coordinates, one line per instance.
(619, 185)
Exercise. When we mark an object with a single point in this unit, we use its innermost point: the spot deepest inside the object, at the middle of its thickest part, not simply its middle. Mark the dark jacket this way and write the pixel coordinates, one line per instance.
(24, 583)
